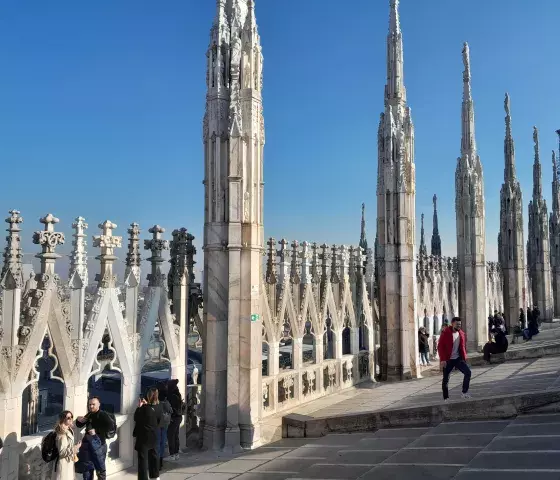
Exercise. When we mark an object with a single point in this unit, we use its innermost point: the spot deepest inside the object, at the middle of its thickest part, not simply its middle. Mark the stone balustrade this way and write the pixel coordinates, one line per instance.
(61, 339)
(318, 322)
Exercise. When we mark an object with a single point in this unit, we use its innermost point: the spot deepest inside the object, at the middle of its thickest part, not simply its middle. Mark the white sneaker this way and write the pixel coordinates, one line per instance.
(465, 395)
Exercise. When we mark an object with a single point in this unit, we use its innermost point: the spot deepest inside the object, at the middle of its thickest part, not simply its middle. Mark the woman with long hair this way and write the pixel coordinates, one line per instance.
(147, 418)
(64, 465)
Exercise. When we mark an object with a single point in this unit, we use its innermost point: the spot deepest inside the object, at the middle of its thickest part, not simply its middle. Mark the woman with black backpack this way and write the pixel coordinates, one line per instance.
(65, 448)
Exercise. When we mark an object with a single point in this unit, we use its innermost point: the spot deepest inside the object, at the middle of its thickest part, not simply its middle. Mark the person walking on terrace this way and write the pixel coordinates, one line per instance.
(452, 350)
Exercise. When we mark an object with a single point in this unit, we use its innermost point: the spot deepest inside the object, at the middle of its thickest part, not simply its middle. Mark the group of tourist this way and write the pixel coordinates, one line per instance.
(156, 425)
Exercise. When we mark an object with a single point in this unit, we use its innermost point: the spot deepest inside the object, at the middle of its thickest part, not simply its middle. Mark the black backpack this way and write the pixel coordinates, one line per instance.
(49, 451)
(112, 432)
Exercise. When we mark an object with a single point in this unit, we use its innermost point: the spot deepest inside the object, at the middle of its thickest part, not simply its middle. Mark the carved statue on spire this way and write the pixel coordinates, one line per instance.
(466, 62)
(536, 140)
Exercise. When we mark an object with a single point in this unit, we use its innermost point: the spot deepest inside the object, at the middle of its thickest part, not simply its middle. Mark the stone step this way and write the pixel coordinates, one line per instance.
(480, 409)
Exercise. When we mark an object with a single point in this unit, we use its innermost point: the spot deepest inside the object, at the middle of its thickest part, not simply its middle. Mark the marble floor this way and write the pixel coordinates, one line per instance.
(526, 447)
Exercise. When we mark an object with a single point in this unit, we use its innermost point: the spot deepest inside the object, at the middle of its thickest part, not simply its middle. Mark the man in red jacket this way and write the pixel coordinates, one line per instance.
(453, 354)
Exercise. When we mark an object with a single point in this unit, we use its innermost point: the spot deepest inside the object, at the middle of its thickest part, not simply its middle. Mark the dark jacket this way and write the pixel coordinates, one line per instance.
(91, 455)
(146, 421)
(445, 345)
(166, 413)
(501, 342)
(423, 343)
(174, 397)
(100, 421)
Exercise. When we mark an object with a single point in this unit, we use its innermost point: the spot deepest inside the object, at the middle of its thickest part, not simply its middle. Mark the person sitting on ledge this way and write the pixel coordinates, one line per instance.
(499, 345)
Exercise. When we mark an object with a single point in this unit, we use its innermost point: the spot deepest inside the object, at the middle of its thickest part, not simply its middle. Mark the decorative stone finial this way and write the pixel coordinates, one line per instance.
(283, 261)
(294, 273)
(156, 244)
(107, 242)
(133, 258)
(13, 253)
(78, 259)
(191, 252)
(305, 254)
(334, 265)
(49, 240)
(315, 277)
(178, 257)
(271, 261)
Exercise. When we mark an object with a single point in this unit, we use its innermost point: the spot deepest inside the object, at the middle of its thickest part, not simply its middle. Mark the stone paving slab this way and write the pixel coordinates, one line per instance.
(439, 453)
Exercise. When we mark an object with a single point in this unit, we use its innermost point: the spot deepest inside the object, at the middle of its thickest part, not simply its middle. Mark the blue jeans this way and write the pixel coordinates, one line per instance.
(424, 357)
(162, 440)
(460, 365)
(88, 474)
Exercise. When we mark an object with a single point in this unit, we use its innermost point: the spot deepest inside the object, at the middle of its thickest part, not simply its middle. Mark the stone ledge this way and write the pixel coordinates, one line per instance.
(525, 353)
(488, 408)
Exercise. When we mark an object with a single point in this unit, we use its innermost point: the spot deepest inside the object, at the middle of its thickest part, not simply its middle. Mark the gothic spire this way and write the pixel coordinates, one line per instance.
(555, 185)
(468, 143)
(509, 149)
(363, 240)
(395, 91)
(423, 249)
(436, 239)
(537, 169)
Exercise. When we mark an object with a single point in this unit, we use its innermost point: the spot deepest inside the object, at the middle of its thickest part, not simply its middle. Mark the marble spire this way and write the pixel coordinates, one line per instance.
(509, 148)
(468, 142)
(511, 251)
(423, 250)
(470, 216)
(363, 239)
(395, 90)
(537, 167)
(436, 239)
(538, 243)
(396, 205)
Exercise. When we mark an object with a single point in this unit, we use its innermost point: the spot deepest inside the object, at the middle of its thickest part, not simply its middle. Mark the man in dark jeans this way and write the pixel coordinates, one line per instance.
(102, 423)
(176, 401)
(452, 350)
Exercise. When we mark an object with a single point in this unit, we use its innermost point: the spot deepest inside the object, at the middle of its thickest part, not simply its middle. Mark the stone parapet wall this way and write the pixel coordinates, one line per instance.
(122, 326)
(318, 322)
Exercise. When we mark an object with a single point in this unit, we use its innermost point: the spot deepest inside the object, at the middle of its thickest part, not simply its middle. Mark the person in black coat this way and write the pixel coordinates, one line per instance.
(146, 420)
(500, 344)
(176, 401)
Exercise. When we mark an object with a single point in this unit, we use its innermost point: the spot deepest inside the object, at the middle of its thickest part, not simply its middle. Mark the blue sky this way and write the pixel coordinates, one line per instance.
(102, 105)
